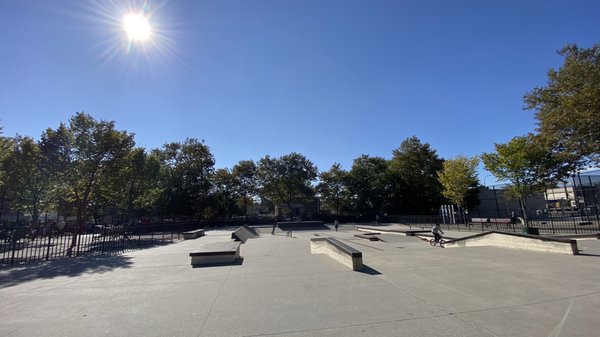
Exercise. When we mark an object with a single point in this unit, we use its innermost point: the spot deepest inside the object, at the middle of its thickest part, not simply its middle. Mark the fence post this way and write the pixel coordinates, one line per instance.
(103, 233)
(123, 238)
(574, 224)
(49, 244)
(14, 247)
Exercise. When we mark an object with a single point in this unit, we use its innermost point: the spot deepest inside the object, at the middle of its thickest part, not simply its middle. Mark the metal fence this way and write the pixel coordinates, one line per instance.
(20, 244)
(546, 224)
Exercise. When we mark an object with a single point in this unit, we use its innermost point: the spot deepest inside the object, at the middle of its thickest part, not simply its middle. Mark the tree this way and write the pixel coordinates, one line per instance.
(133, 186)
(186, 171)
(286, 179)
(368, 184)
(7, 166)
(222, 197)
(85, 151)
(246, 181)
(29, 176)
(527, 164)
(333, 187)
(459, 180)
(413, 173)
(568, 107)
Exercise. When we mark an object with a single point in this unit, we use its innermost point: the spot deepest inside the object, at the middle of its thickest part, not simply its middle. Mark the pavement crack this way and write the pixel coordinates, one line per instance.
(213, 304)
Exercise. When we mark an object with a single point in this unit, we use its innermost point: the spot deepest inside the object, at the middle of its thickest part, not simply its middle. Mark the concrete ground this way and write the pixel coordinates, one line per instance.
(279, 289)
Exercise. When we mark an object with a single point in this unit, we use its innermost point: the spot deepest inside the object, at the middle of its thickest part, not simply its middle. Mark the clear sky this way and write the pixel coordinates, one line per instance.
(331, 79)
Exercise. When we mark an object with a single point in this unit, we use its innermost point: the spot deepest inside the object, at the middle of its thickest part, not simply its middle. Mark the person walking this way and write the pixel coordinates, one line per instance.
(274, 225)
(336, 224)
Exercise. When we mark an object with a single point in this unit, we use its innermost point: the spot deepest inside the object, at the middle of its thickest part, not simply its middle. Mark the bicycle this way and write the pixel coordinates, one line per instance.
(434, 242)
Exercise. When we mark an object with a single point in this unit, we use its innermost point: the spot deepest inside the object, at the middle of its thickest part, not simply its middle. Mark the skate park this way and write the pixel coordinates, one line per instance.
(277, 287)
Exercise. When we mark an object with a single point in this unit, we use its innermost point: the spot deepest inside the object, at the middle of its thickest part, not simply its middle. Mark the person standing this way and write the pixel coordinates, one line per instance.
(336, 224)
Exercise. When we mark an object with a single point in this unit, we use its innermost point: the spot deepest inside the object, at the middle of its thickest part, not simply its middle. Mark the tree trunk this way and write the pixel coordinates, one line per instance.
(524, 211)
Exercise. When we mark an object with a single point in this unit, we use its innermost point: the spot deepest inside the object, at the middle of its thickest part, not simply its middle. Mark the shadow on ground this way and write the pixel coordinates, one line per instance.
(238, 262)
(71, 267)
(369, 271)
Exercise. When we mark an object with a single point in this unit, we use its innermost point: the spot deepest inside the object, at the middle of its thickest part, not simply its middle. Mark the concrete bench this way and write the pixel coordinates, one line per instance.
(216, 253)
(337, 250)
(193, 234)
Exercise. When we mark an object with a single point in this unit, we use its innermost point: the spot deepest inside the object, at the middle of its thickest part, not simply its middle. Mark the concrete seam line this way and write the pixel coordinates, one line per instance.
(525, 304)
(558, 328)
(350, 325)
(213, 304)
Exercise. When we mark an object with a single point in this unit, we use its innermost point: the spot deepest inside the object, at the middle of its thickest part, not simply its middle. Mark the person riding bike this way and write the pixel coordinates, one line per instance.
(435, 230)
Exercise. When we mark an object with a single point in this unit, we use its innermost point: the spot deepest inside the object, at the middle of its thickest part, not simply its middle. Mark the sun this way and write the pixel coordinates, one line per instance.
(137, 27)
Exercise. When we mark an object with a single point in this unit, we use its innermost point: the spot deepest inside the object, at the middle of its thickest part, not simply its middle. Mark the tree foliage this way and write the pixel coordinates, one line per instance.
(459, 179)
(186, 173)
(245, 182)
(368, 185)
(413, 169)
(333, 187)
(286, 179)
(527, 164)
(85, 152)
(568, 107)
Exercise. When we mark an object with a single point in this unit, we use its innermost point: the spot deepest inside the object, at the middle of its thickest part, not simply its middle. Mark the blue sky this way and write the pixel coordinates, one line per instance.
(329, 79)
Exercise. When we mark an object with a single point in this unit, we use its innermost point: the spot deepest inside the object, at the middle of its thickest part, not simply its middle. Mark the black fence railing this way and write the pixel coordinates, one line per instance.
(546, 224)
(20, 244)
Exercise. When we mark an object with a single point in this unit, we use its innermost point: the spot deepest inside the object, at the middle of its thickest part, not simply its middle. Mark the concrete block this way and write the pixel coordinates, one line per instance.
(337, 250)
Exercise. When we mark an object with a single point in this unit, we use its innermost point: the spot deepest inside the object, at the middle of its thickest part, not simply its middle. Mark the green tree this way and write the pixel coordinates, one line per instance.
(527, 164)
(333, 187)
(246, 182)
(56, 146)
(286, 179)
(413, 173)
(368, 184)
(223, 195)
(30, 180)
(7, 166)
(186, 171)
(133, 185)
(85, 151)
(568, 107)
(459, 180)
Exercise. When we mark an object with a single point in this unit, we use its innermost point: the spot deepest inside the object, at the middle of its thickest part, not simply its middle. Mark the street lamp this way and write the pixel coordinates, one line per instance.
(484, 178)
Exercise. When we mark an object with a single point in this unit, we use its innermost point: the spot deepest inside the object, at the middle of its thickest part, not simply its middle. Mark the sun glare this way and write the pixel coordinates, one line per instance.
(137, 27)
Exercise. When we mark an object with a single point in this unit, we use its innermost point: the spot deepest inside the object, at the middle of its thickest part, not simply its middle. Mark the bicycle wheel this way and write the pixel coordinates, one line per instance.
(432, 242)
(442, 243)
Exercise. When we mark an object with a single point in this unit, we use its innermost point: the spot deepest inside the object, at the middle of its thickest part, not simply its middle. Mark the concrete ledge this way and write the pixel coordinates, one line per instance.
(517, 241)
(193, 234)
(337, 250)
(243, 233)
(407, 232)
(370, 237)
(301, 225)
(216, 253)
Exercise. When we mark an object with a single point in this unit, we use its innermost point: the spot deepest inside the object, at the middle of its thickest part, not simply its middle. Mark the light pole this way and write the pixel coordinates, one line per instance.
(484, 178)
